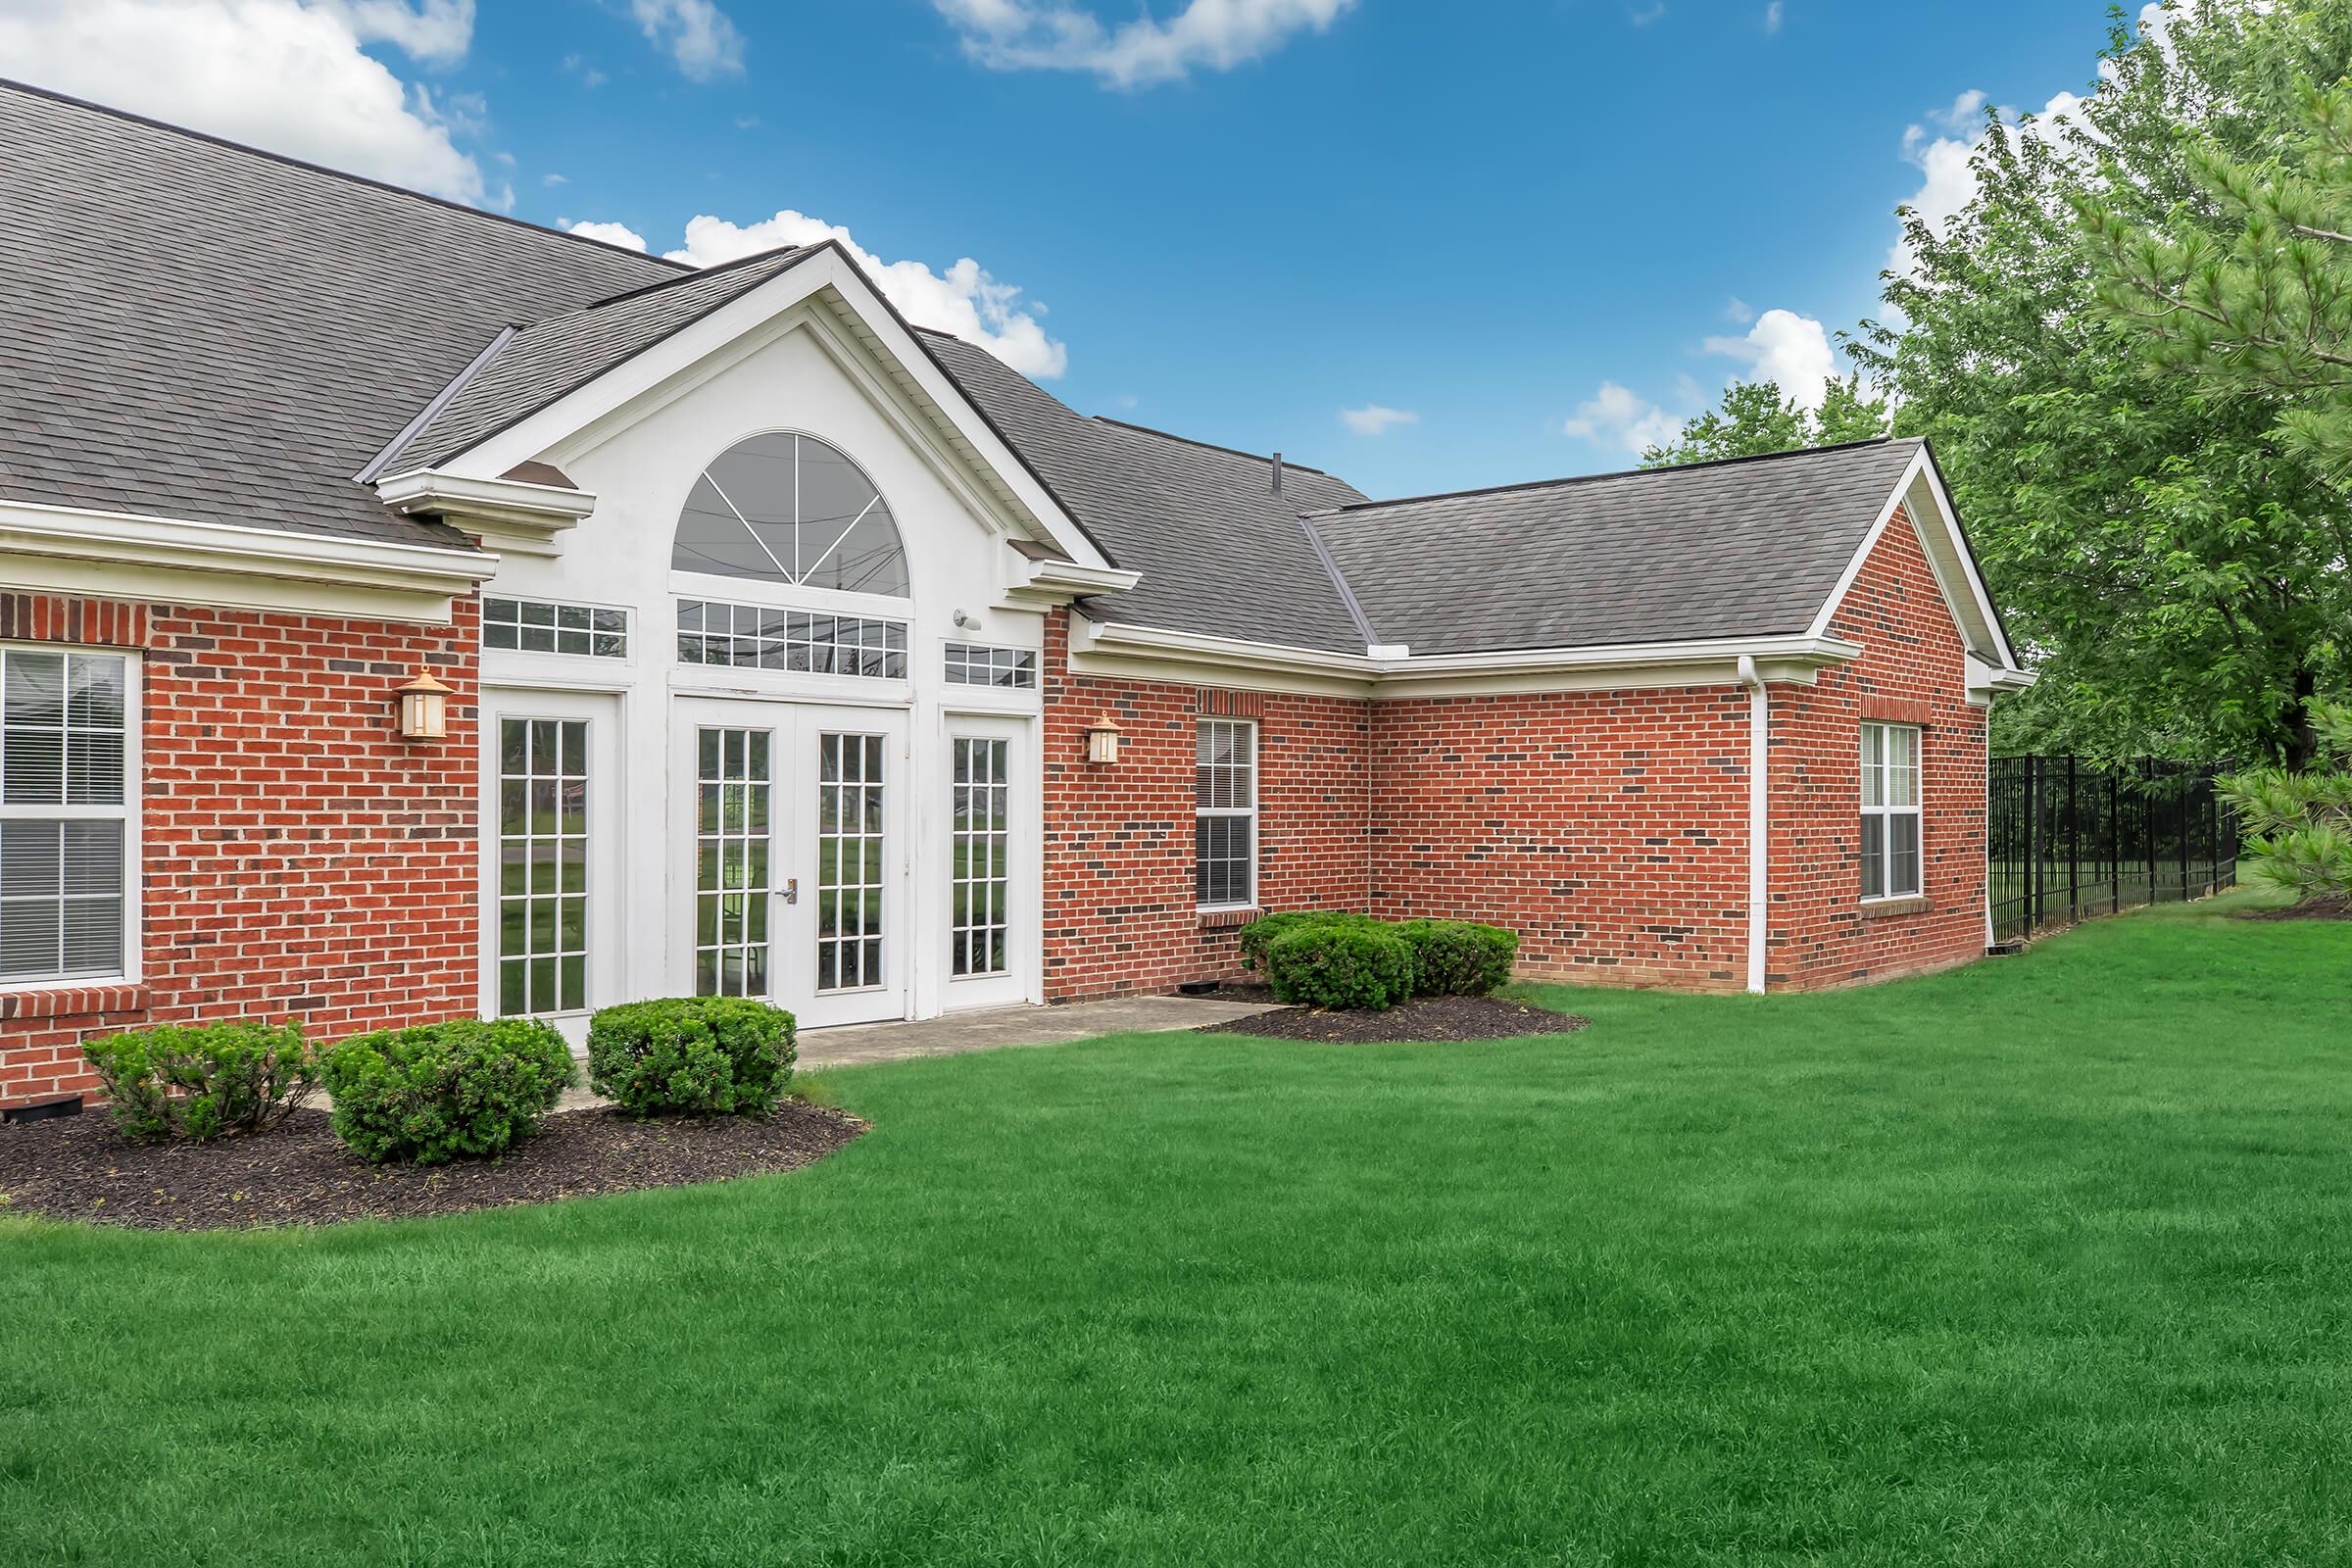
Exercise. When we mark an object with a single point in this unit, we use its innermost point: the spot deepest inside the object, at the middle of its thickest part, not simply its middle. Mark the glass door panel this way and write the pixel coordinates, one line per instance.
(979, 868)
(734, 806)
(851, 878)
(542, 889)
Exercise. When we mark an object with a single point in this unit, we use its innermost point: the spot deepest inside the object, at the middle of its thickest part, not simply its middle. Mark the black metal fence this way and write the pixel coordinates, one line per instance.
(2068, 840)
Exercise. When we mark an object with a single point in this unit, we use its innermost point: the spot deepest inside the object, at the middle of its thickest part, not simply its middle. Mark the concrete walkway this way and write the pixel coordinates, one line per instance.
(855, 1044)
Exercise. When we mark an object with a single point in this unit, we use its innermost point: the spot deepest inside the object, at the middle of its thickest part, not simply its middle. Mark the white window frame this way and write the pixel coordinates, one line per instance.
(1887, 812)
(1247, 726)
(131, 814)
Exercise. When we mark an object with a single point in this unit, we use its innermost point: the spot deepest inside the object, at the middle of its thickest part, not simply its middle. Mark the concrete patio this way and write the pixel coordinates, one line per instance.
(855, 1045)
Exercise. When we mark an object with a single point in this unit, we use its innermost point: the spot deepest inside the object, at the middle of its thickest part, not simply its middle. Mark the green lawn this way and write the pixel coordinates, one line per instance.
(2046, 1260)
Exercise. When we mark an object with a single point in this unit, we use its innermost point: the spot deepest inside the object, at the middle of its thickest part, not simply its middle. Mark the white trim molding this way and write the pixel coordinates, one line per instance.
(1043, 584)
(1920, 495)
(514, 514)
(114, 554)
(1145, 652)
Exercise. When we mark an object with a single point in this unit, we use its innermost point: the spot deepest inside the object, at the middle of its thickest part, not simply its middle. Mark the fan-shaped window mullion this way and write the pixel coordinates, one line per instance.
(784, 570)
(824, 490)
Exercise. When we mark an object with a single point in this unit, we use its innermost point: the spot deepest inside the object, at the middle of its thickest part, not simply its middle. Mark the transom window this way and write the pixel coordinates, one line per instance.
(755, 637)
(64, 814)
(1225, 814)
(536, 626)
(1891, 857)
(978, 665)
(789, 508)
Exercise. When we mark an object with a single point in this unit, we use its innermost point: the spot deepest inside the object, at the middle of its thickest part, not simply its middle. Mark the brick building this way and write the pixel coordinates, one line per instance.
(407, 612)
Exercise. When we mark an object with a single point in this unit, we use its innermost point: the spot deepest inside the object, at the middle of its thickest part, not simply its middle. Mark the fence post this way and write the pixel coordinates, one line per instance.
(2213, 838)
(2074, 847)
(2115, 840)
(2147, 818)
(2181, 815)
(2032, 844)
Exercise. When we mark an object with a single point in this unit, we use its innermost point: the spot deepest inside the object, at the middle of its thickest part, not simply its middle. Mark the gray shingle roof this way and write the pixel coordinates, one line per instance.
(254, 331)
(549, 358)
(198, 330)
(1220, 553)
(1745, 548)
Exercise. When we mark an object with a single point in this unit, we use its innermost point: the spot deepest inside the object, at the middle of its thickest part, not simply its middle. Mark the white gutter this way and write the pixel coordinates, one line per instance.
(1759, 821)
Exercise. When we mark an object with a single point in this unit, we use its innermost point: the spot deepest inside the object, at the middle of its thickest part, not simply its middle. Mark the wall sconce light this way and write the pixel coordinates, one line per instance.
(1103, 742)
(423, 708)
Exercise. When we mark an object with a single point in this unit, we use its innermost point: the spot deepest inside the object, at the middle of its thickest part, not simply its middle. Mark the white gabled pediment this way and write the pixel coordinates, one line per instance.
(824, 296)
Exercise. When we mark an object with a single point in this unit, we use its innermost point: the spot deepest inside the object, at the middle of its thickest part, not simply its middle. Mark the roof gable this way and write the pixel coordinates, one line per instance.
(1748, 547)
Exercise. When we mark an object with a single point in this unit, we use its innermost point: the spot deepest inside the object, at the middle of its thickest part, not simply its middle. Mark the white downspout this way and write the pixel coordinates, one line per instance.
(1759, 839)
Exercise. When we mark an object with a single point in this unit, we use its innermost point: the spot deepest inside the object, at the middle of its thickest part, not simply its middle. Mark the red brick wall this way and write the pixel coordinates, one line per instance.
(1120, 915)
(1609, 829)
(302, 861)
(1820, 934)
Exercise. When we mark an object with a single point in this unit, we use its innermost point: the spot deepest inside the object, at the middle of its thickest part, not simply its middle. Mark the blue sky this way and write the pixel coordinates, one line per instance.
(1233, 218)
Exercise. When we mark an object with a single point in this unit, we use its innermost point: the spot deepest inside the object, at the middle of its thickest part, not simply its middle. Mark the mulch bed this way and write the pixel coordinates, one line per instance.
(1424, 1018)
(299, 1173)
(2300, 911)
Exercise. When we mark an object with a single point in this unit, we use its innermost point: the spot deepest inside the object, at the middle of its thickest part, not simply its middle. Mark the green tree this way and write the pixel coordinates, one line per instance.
(1755, 418)
(2250, 289)
(2169, 562)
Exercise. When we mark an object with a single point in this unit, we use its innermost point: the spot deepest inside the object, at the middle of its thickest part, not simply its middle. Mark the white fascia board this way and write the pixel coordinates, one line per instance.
(1964, 592)
(176, 559)
(529, 518)
(1112, 648)
(678, 354)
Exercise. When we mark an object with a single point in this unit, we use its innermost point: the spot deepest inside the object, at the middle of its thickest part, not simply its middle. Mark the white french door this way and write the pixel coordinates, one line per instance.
(553, 834)
(790, 881)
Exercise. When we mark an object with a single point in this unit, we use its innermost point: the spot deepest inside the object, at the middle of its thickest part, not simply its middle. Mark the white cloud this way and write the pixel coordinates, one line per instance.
(1738, 310)
(437, 32)
(1373, 419)
(1772, 17)
(965, 300)
(1649, 14)
(1787, 348)
(1060, 36)
(611, 235)
(552, 181)
(283, 75)
(1948, 183)
(1619, 419)
(698, 36)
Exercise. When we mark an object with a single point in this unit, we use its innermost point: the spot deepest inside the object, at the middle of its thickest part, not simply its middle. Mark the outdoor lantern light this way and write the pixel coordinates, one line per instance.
(1103, 741)
(423, 708)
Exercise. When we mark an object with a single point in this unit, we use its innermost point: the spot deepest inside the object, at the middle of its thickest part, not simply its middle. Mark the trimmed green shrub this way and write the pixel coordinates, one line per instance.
(1334, 964)
(1458, 958)
(696, 1056)
(1267, 929)
(429, 1094)
(203, 1080)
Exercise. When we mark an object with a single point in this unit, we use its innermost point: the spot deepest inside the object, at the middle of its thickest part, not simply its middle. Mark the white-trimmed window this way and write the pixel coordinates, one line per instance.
(1225, 815)
(1891, 857)
(68, 804)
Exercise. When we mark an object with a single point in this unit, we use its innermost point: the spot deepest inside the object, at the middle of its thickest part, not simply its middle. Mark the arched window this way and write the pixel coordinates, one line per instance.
(789, 508)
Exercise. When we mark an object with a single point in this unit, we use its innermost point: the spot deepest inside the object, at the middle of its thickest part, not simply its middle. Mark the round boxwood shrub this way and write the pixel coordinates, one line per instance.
(1334, 964)
(429, 1094)
(203, 1080)
(694, 1055)
(1267, 929)
(1458, 958)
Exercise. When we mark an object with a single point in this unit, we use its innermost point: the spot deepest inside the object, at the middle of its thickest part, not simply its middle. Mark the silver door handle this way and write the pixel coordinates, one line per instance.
(790, 892)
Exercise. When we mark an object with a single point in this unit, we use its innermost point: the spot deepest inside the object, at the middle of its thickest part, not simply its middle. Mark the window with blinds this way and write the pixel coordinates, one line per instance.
(64, 814)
